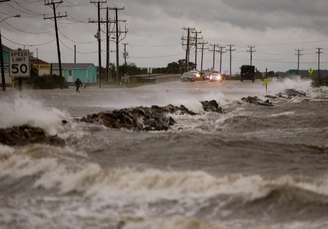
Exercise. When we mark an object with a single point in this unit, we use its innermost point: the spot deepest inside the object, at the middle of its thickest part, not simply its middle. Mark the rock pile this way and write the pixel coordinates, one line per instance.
(212, 106)
(291, 93)
(153, 118)
(24, 135)
(257, 101)
(139, 118)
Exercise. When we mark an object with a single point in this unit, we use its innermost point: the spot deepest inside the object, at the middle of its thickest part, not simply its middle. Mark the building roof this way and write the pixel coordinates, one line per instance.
(55, 66)
(35, 60)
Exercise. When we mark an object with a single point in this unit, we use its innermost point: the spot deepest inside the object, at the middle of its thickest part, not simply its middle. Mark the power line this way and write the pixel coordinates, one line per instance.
(28, 45)
(151, 57)
(24, 31)
(26, 9)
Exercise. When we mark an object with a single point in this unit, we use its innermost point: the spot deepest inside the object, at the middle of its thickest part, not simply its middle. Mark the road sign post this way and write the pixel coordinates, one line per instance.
(20, 65)
(310, 72)
(266, 84)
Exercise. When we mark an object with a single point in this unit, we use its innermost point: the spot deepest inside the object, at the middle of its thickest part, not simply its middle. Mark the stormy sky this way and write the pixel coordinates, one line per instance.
(276, 28)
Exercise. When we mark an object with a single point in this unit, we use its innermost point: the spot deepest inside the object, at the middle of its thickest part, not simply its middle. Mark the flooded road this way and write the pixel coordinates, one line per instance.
(250, 167)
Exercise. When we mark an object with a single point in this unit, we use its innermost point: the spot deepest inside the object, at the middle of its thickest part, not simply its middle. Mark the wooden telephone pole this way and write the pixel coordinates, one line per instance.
(251, 50)
(53, 4)
(188, 44)
(117, 40)
(214, 50)
(230, 49)
(202, 55)
(221, 51)
(196, 38)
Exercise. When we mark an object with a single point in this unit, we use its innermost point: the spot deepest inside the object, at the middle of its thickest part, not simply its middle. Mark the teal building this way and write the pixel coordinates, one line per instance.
(86, 72)
(5, 55)
(6, 59)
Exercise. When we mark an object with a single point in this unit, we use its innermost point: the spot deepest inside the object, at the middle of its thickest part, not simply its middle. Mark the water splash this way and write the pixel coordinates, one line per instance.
(20, 111)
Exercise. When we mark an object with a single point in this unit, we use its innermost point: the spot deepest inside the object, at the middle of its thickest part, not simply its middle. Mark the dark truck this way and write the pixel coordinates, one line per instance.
(247, 73)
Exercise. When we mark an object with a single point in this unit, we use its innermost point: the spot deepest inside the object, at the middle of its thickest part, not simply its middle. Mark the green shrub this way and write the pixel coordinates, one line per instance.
(48, 82)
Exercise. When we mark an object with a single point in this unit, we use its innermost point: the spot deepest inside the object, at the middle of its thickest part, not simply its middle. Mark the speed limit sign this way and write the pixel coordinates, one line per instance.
(20, 63)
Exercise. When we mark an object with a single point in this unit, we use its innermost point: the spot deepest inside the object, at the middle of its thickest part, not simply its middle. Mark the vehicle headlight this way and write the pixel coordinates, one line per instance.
(219, 77)
(198, 75)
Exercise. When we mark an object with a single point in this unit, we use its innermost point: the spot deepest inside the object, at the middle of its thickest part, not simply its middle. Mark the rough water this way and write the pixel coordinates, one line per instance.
(252, 167)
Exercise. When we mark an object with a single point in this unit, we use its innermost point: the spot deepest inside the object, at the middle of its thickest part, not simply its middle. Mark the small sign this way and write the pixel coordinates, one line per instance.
(310, 71)
(20, 63)
(266, 84)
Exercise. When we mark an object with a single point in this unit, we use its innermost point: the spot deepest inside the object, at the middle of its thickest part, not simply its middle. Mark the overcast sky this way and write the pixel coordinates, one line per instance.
(275, 27)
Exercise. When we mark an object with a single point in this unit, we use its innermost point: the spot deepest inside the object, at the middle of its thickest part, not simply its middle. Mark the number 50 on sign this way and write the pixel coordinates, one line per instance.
(20, 63)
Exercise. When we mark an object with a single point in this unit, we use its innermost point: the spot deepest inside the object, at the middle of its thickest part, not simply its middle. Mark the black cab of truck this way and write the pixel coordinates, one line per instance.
(247, 73)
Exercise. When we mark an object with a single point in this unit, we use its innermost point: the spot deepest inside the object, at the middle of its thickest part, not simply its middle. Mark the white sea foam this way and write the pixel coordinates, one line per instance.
(288, 113)
(20, 111)
(127, 186)
(151, 185)
(295, 82)
(131, 193)
(4, 150)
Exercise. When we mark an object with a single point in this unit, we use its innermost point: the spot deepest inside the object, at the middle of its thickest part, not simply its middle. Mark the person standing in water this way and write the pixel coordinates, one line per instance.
(78, 84)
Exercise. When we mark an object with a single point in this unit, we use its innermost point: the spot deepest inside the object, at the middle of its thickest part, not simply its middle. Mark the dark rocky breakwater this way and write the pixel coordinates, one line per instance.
(24, 135)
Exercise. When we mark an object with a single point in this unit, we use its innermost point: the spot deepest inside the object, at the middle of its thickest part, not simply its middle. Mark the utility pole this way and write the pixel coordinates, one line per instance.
(118, 33)
(221, 51)
(3, 79)
(202, 57)
(187, 59)
(107, 44)
(55, 16)
(298, 54)
(231, 49)
(196, 45)
(117, 41)
(98, 36)
(214, 50)
(319, 52)
(74, 54)
(251, 50)
(125, 55)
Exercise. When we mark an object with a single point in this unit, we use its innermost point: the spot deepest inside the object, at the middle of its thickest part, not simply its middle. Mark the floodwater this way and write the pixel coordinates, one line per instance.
(252, 167)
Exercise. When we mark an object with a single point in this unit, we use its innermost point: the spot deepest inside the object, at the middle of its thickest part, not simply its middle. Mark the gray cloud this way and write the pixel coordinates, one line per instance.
(155, 28)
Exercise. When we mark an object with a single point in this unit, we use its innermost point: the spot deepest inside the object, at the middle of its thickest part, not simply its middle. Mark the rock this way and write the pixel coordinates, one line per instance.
(138, 118)
(211, 106)
(146, 118)
(24, 135)
(171, 109)
(291, 93)
(257, 101)
(271, 97)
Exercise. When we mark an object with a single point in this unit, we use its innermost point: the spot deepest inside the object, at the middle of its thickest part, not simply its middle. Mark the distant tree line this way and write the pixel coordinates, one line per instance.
(176, 67)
